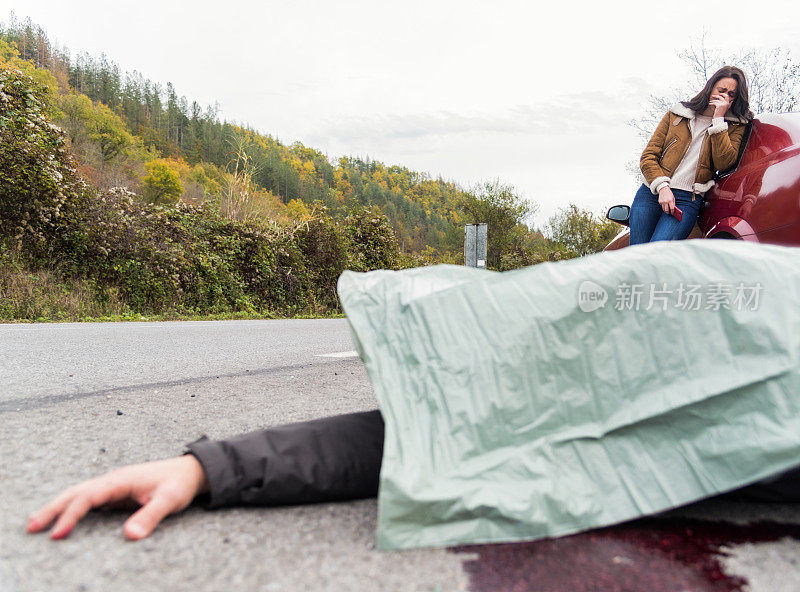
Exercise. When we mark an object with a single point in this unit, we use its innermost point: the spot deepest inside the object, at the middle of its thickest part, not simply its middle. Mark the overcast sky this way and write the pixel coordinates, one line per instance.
(534, 93)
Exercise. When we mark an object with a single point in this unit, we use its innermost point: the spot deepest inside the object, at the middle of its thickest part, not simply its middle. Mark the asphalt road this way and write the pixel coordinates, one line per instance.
(62, 385)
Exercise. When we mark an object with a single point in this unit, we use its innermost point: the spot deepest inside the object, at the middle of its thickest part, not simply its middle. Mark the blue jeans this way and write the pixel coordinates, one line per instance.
(648, 222)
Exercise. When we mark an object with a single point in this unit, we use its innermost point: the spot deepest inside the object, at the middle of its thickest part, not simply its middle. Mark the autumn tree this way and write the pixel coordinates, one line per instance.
(580, 230)
(161, 184)
(504, 211)
(107, 129)
(76, 109)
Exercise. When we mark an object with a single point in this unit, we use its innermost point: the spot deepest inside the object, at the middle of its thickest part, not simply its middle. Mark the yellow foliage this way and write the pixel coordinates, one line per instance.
(266, 206)
(298, 211)
(161, 183)
(179, 165)
(208, 177)
(9, 59)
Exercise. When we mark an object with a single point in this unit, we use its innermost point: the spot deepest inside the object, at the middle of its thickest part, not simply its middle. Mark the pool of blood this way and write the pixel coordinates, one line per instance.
(648, 555)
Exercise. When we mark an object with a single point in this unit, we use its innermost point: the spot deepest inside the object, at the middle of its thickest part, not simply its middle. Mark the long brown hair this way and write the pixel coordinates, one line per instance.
(741, 102)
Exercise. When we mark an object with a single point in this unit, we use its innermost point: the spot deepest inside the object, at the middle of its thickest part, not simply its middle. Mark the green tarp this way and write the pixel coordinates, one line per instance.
(581, 393)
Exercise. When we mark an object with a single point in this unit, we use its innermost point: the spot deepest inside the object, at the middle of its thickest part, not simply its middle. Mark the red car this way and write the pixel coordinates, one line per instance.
(758, 199)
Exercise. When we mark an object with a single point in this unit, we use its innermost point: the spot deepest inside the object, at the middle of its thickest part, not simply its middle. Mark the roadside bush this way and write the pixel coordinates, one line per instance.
(430, 256)
(517, 259)
(372, 243)
(325, 248)
(363, 241)
(187, 258)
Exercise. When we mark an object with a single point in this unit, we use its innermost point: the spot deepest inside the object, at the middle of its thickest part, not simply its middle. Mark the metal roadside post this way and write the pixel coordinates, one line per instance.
(475, 236)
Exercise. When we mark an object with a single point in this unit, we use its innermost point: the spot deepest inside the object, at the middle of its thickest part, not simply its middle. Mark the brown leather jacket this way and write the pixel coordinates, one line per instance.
(670, 141)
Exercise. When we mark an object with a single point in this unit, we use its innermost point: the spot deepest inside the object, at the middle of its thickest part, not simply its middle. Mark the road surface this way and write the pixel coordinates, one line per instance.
(62, 387)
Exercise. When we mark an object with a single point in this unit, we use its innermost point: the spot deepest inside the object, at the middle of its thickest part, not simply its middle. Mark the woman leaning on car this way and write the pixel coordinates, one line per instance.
(692, 140)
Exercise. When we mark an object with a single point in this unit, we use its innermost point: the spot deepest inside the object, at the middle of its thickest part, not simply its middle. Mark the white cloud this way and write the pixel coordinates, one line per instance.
(567, 114)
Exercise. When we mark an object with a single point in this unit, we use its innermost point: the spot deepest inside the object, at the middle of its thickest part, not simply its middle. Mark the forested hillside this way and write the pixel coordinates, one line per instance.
(118, 199)
(134, 119)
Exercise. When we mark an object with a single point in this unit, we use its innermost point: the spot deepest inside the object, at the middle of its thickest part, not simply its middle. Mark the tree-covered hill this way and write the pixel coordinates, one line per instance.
(118, 121)
(101, 252)
(118, 199)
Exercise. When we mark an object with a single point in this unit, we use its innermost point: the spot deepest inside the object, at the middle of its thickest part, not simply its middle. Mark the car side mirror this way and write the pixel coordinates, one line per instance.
(619, 214)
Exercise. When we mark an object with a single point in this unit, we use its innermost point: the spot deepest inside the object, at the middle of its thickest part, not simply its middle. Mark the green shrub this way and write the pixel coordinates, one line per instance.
(372, 243)
(38, 183)
(324, 246)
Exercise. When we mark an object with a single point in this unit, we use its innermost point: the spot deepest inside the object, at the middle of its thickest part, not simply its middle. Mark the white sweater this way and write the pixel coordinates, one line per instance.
(683, 177)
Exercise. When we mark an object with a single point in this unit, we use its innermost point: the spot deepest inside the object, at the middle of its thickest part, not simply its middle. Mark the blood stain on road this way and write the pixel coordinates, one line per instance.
(648, 555)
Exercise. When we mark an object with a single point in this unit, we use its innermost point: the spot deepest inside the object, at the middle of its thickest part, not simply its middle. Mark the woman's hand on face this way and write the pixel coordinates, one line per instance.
(721, 104)
(666, 199)
(162, 488)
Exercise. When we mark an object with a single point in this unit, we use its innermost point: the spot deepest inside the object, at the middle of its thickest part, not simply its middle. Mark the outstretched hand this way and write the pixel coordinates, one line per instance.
(161, 487)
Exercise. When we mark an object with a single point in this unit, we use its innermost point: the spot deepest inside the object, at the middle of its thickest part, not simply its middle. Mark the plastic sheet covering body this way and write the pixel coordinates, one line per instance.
(576, 394)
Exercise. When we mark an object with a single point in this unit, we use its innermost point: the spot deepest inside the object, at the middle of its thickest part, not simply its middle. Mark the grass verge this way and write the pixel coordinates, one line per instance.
(43, 295)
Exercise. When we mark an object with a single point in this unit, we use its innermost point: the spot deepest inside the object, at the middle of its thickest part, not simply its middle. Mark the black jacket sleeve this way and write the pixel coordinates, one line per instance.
(339, 458)
(333, 458)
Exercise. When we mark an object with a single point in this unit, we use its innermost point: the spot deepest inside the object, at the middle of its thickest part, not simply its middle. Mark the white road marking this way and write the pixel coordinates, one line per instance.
(344, 354)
